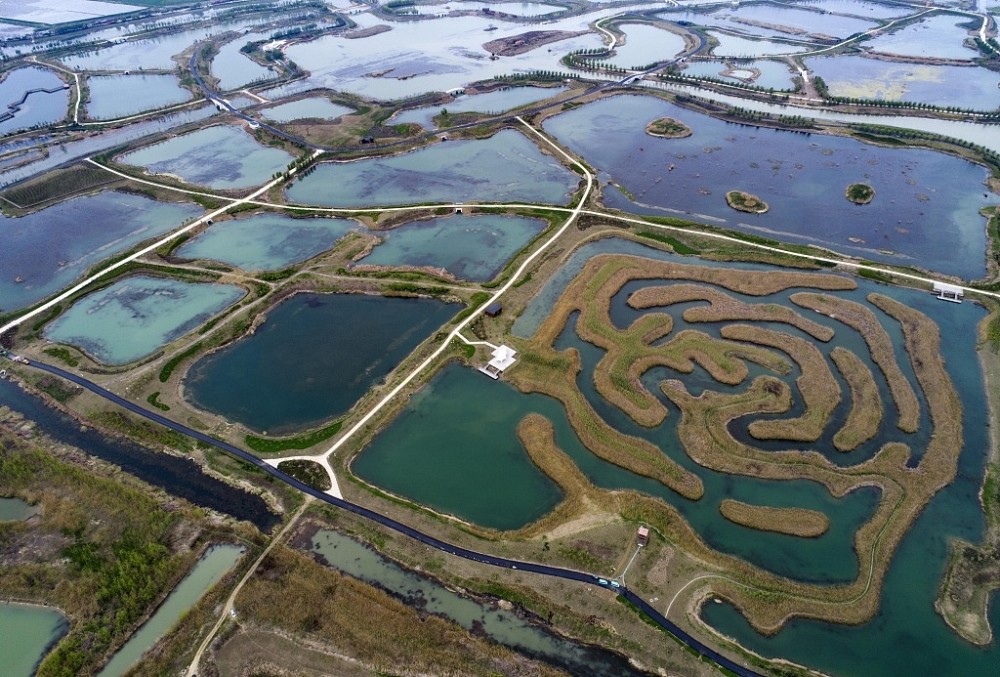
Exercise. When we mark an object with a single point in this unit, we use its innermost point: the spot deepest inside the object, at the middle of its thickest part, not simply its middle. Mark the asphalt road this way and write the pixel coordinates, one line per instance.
(502, 562)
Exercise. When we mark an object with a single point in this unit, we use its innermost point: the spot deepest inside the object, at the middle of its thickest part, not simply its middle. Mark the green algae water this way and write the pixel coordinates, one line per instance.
(469, 247)
(455, 448)
(26, 635)
(137, 315)
(266, 241)
(312, 358)
(208, 571)
(15, 510)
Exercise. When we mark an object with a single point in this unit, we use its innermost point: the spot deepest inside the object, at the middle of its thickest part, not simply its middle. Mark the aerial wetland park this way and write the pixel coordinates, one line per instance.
(499, 338)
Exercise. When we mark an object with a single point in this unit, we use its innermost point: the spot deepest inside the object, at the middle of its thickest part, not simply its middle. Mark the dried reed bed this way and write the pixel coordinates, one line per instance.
(767, 600)
(905, 493)
(579, 495)
(863, 320)
(820, 392)
(617, 377)
(535, 374)
(791, 521)
(866, 404)
(611, 272)
(725, 308)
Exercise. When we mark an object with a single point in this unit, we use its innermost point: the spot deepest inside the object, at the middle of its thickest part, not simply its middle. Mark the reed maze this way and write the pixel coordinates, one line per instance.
(814, 380)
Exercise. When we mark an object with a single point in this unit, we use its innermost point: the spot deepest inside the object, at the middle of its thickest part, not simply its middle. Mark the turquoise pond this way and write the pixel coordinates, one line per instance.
(16, 510)
(448, 447)
(207, 571)
(50, 248)
(497, 101)
(222, 157)
(26, 635)
(470, 247)
(506, 167)
(303, 109)
(925, 211)
(136, 316)
(312, 359)
(265, 241)
(115, 96)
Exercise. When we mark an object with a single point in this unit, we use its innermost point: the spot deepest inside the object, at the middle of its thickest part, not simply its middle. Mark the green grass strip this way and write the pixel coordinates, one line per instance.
(268, 444)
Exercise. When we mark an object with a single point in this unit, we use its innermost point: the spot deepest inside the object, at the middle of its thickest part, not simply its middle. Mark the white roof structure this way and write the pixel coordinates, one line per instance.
(949, 292)
(503, 357)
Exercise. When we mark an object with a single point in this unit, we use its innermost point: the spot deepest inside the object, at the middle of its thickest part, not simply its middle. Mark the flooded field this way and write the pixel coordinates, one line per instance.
(744, 48)
(222, 157)
(61, 11)
(645, 45)
(454, 446)
(141, 54)
(795, 21)
(800, 176)
(74, 150)
(425, 56)
(936, 36)
(959, 86)
(313, 107)
(47, 250)
(759, 73)
(37, 108)
(156, 52)
(505, 167)
(512, 8)
(313, 357)
(234, 69)
(497, 101)
(115, 96)
(469, 247)
(873, 10)
(138, 315)
(266, 241)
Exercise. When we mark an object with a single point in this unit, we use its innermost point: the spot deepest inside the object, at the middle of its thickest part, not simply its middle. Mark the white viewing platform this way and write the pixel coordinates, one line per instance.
(503, 357)
(949, 292)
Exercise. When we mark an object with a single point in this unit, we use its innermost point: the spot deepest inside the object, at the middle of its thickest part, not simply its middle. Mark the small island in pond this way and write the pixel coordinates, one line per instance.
(746, 202)
(668, 128)
(860, 193)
